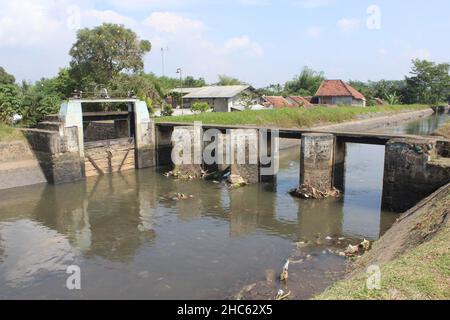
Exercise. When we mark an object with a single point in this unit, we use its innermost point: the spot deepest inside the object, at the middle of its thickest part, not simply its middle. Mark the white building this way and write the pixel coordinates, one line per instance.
(219, 98)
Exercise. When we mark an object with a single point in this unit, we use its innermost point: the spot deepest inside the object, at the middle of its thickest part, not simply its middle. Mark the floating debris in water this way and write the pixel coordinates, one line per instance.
(285, 274)
(281, 295)
(236, 181)
(309, 192)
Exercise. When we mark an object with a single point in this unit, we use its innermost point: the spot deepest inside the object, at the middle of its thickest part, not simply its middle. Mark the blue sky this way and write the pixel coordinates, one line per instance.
(258, 41)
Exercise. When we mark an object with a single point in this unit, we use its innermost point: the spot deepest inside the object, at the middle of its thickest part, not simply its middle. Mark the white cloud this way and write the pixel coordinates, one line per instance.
(345, 24)
(25, 23)
(110, 16)
(245, 45)
(314, 3)
(172, 23)
(313, 32)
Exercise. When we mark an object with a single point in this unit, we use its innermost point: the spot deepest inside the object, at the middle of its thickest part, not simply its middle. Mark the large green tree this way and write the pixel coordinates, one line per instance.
(5, 77)
(429, 82)
(102, 53)
(305, 84)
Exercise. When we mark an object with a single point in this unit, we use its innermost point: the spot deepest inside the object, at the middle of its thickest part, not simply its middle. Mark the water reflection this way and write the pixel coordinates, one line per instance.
(133, 240)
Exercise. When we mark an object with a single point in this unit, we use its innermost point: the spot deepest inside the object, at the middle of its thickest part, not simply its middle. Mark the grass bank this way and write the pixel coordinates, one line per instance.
(414, 257)
(444, 130)
(291, 117)
(8, 133)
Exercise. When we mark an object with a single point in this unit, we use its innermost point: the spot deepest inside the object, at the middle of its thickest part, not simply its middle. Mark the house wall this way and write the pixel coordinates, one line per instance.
(350, 101)
(218, 104)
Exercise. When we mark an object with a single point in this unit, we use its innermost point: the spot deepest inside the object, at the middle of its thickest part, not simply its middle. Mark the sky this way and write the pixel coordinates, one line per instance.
(258, 41)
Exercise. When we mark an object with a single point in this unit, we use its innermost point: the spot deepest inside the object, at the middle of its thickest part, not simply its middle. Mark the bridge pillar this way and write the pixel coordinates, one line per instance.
(269, 151)
(187, 152)
(163, 145)
(316, 161)
(413, 169)
(144, 136)
(244, 154)
(340, 151)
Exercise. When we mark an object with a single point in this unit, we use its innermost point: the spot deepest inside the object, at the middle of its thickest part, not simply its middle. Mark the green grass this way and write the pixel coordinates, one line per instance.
(422, 272)
(290, 117)
(8, 133)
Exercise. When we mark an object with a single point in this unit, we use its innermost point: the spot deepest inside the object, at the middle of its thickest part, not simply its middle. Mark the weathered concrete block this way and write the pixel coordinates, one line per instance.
(316, 161)
(340, 151)
(163, 145)
(269, 155)
(187, 152)
(145, 145)
(411, 173)
(244, 151)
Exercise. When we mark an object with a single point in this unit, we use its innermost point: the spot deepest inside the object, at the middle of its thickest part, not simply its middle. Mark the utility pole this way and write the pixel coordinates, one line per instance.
(163, 62)
(179, 71)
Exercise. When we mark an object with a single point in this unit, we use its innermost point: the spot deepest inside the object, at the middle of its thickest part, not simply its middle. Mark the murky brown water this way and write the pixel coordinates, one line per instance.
(133, 241)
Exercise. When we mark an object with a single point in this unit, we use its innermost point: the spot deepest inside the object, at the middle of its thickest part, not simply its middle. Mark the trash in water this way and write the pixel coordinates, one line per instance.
(285, 274)
(309, 192)
(281, 295)
(365, 245)
(351, 251)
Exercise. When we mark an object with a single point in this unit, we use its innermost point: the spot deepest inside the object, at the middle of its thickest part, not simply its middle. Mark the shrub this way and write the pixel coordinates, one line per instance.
(200, 107)
(10, 103)
(166, 110)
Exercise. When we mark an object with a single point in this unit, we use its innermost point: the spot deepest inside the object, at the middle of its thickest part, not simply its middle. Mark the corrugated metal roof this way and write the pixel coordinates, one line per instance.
(185, 90)
(216, 92)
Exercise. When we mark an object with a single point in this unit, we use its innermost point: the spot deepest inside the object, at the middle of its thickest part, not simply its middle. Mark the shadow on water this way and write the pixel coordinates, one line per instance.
(132, 239)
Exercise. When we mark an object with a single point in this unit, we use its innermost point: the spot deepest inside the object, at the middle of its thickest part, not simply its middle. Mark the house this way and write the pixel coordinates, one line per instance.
(337, 92)
(219, 98)
(276, 102)
(300, 101)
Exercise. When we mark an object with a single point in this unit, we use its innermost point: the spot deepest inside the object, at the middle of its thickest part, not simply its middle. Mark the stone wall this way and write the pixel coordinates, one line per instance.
(413, 170)
(58, 155)
(18, 166)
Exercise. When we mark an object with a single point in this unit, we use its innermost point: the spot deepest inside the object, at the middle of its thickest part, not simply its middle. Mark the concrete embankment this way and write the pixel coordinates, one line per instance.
(413, 257)
(18, 165)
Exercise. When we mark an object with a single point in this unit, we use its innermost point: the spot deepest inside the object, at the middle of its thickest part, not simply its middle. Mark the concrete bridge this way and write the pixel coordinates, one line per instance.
(414, 166)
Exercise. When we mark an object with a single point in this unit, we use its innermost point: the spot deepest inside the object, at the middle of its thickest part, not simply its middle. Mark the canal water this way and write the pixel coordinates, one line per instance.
(132, 239)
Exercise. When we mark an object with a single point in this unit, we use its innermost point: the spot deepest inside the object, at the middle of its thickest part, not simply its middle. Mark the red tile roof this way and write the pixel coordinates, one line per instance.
(301, 101)
(277, 102)
(338, 88)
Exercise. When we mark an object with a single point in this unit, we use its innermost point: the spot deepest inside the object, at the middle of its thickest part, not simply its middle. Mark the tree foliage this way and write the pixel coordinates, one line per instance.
(10, 103)
(305, 84)
(102, 53)
(5, 77)
(225, 80)
(429, 82)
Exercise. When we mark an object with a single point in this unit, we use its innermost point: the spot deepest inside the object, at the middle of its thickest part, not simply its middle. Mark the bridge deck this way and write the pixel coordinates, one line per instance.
(291, 133)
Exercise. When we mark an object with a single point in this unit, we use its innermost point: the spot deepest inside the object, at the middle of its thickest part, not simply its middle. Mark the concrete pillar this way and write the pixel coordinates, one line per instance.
(316, 161)
(244, 151)
(187, 152)
(340, 151)
(144, 137)
(269, 150)
(163, 145)
(412, 171)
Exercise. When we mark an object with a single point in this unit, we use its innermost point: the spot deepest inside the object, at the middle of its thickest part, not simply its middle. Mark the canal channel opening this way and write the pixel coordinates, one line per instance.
(109, 137)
